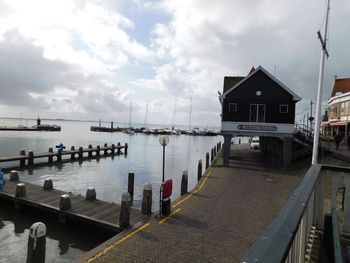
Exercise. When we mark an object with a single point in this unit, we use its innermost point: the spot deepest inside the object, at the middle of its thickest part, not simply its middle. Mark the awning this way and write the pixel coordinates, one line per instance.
(338, 123)
(325, 123)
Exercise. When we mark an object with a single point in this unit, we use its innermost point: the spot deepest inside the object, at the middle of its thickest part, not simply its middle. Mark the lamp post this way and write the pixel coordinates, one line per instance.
(163, 140)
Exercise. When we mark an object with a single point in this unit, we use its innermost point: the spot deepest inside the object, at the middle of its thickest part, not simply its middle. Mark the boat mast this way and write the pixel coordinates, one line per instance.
(145, 123)
(324, 53)
(130, 115)
(174, 116)
(189, 125)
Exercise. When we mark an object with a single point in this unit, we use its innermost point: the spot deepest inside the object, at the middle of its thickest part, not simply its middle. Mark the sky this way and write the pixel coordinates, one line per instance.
(90, 60)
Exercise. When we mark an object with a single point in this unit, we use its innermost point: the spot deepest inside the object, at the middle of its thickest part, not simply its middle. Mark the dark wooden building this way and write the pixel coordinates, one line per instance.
(259, 105)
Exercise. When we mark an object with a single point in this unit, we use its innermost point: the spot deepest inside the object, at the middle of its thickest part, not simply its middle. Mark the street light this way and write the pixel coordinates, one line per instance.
(163, 140)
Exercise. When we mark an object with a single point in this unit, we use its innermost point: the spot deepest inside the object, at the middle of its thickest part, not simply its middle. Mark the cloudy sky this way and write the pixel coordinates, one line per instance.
(90, 59)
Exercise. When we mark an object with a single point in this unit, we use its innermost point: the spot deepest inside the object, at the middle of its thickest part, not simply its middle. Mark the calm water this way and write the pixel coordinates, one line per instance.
(108, 175)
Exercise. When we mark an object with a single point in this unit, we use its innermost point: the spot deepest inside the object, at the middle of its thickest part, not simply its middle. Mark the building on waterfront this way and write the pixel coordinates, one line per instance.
(338, 109)
(259, 105)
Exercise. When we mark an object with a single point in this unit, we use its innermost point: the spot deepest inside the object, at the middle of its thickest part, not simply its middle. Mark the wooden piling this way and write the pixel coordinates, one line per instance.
(207, 161)
(199, 174)
(98, 149)
(20, 190)
(131, 181)
(81, 151)
(118, 148)
(59, 155)
(105, 151)
(65, 202)
(90, 152)
(184, 183)
(124, 217)
(22, 162)
(126, 149)
(48, 184)
(90, 194)
(113, 149)
(30, 158)
(72, 156)
(50, 158)
(146, 208)
(212, 155)
(14, 176)
(36, 243)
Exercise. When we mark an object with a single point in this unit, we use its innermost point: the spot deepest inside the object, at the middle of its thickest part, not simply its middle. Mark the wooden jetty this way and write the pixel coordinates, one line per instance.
(92, 152)
(95, 213)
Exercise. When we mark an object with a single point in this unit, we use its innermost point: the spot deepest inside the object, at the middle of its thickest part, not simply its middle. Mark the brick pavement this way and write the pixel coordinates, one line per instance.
(219, 222)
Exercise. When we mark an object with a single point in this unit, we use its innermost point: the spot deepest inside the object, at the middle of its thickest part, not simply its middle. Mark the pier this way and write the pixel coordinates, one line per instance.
(92, 212)
(75, 154)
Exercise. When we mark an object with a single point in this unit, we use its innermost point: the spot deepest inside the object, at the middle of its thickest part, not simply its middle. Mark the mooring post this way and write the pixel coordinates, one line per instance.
(50, 156)
(20, 190)
(98, 149)
(124, 217)
(59, 154)
(146, 208)
(212, 155)
(2, 179)
(184, 183)
(36, 243)
(14, 176)
(48, 184)
(65, 202)
(207, 161)
(81, 151)
(215, 152)
(199, 175)
(72, 148)
(105, 151)
(22, 162)
(126, 149)
(30, 158)
(90, 194)
(118, 148)
(90, 151)
(113, 149)
(131, 181)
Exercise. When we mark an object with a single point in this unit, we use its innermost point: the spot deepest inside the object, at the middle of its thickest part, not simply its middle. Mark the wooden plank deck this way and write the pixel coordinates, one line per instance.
(98, 213)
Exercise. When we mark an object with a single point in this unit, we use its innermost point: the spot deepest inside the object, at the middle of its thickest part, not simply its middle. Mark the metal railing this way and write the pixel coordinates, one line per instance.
(286, 238)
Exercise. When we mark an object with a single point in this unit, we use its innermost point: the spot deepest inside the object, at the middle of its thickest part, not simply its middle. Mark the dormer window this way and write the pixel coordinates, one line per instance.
(232, 107)
(283, 108)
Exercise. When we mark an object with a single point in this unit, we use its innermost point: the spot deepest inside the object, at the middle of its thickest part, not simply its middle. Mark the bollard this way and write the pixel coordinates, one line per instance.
(91, 194)
(30, 158)
(98, 148)
(124, 217)
(81, 151)
(126, 149)
(72, 155)
(20, 190)
(184, 183)
(22, 162)
(14, 176)
(146, 208)
(36, 243)
(105, 151)
(48, 184)
(212, 155)
(199, 174)
(207, 161)
(65, 202)
(90, 152)
(50, 157)
(118, 148)
(131, 181)
(59, 154)
(113, 148)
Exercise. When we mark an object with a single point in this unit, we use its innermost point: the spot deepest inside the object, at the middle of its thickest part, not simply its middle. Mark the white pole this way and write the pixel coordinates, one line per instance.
(319, 92)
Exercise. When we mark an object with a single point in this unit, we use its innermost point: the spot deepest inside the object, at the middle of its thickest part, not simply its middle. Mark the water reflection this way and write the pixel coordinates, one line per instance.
(69, 241)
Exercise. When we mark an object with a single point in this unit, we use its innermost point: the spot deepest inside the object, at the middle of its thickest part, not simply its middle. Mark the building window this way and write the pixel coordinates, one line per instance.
(283, 108)
(232, 107)
(257, 113)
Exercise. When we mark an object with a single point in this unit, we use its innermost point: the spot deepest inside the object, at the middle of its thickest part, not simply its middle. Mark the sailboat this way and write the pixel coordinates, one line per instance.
(173, 131)
(146, 130)
(130, 130)
(189, 131)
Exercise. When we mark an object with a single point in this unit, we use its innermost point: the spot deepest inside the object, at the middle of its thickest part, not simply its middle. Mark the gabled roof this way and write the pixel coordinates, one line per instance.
(341, 85)
(252, 73)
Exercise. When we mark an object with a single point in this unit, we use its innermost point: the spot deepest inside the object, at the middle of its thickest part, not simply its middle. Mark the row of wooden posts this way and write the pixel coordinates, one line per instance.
(107, 150)
(37, 232)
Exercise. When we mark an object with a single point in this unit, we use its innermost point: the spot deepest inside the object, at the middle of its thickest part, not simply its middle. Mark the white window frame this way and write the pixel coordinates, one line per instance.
(234, 105)
(284, 105)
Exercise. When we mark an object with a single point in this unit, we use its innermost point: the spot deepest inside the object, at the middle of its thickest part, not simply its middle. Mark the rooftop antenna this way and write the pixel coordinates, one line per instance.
(274, 72)
(324, 53)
